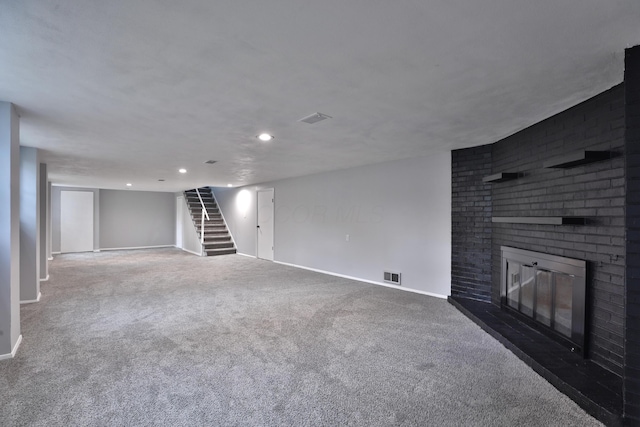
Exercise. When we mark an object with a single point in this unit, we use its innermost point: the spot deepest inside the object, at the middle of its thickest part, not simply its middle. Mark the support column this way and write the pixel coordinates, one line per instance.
(29, 225)
(9, 231)
(49, 224)
(631, 378)
(42, 188)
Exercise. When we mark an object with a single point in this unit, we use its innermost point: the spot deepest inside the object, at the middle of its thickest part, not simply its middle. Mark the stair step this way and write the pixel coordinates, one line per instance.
(211, 213)
(196, 204)
(216, 233)
(217, 245)
(215, 252)
(204, 197)
(216, 238)
(196, 199)
(198, 208)
(212, 217)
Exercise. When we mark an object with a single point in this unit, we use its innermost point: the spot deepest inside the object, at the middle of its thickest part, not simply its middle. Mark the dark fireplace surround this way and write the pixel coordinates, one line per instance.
(567, 188)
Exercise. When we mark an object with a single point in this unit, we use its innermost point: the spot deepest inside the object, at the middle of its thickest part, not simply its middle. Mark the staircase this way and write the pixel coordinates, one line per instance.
(217, 240)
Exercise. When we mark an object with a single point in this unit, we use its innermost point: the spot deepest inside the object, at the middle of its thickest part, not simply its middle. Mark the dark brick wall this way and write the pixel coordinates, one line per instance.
(471, 224)
(631, 379)
(595, 191)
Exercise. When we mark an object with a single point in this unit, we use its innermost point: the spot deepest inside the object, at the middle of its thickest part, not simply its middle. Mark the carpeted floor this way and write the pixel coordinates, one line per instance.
(162, 337)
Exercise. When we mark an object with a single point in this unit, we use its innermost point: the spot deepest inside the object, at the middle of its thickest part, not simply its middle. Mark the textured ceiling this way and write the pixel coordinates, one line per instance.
(129, 91)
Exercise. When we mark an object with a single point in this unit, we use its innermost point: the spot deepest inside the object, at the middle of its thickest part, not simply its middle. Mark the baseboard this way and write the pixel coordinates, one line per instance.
(247, 255)
(191, 252)
(50, 258)
(13, 352)
(135, 247)
(97, 250)
(45, 279)
(30, 301)
(373, 282)
(55, 253)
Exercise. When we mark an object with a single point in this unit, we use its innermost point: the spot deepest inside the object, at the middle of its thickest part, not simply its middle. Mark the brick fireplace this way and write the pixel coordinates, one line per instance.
(568, 187)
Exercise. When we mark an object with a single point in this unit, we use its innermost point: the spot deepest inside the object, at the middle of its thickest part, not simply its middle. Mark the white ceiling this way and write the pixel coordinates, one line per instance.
(129, 91)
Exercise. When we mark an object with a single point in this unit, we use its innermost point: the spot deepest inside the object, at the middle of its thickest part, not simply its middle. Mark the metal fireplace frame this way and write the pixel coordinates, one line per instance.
(555, 264)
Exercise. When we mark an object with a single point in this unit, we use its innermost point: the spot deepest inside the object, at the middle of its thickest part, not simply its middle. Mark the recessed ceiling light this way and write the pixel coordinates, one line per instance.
(129, 184)
(229, 185)
(265, 137)
(183, 170)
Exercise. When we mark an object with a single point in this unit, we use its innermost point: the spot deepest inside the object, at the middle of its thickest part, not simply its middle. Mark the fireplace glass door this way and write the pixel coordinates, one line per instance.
(543, 295)
(547, 289)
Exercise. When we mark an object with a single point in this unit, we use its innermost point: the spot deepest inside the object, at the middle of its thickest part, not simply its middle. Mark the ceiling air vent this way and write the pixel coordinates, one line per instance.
(210, 162)
(393, 278)
(314, 118)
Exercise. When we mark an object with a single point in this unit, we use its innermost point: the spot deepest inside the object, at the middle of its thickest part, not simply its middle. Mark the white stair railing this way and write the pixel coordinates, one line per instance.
(204, 214)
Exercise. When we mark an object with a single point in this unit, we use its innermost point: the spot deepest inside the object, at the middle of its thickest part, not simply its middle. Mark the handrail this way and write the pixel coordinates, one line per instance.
(204, 213)
(202, 204)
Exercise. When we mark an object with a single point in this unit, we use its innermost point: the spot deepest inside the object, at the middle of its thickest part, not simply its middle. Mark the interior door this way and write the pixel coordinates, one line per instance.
(265, 224)
(76, 221)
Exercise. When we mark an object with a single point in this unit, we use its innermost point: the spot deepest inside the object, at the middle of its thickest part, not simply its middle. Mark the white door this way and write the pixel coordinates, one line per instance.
(265, 224)
(76, 221)
(179, 204)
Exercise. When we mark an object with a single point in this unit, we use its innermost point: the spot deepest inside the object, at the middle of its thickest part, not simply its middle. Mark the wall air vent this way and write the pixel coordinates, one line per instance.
(314, 118)
(393, 278)
(210, 162)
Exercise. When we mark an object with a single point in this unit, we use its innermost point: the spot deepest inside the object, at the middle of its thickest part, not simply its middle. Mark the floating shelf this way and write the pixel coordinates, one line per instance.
(501, 177)
(577, 159)
(543, 220)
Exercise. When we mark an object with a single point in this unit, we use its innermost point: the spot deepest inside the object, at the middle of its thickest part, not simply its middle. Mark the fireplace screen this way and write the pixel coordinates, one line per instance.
(547, 289)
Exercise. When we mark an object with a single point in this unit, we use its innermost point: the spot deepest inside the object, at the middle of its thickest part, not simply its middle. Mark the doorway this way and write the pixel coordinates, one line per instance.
(265, 224)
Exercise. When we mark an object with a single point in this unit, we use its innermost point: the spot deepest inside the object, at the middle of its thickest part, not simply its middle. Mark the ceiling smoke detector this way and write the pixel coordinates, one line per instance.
(210, 162)
(314, 118)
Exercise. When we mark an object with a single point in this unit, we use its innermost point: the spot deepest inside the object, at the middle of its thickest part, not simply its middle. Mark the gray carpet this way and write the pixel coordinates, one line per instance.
(162, 337)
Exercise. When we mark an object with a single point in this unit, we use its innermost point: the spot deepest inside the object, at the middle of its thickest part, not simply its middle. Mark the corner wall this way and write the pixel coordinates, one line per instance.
(632, 291)
(397, 215)
(471, 224)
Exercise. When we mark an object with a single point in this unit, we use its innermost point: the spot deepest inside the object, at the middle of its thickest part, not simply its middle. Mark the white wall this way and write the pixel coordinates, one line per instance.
(136, 219)
(397, 215)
